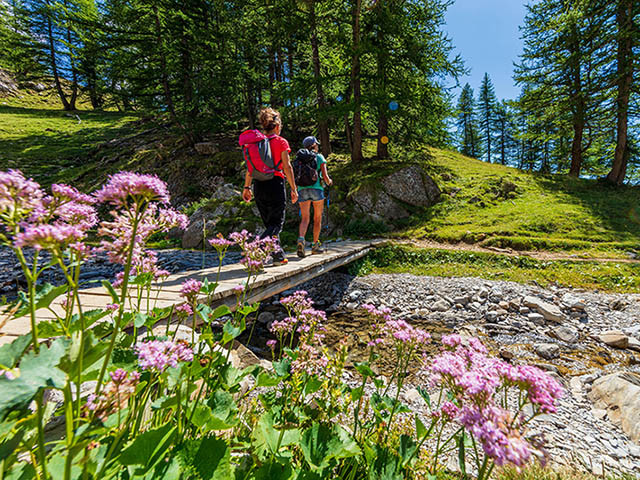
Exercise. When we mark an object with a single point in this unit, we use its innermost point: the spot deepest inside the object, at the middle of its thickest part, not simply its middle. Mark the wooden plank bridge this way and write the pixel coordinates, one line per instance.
(166, 293)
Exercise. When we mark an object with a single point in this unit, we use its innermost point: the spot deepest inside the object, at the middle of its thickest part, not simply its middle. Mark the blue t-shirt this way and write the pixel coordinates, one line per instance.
(321, 161)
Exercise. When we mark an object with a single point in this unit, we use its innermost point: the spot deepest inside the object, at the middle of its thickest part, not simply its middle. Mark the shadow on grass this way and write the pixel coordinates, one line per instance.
(616, 208)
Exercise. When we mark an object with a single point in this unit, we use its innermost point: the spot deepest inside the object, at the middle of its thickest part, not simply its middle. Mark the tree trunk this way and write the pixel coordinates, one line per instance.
(54, 64)
(347, 121)
(579, 107)
(164, 76)
(382, 150)
(356, 152)
(503, 141)
(624, 20)
(323, 124)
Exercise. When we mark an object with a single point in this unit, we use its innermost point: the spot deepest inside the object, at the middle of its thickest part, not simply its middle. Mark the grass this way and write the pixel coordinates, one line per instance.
(499, 206)
(605, 276)
(52, 145)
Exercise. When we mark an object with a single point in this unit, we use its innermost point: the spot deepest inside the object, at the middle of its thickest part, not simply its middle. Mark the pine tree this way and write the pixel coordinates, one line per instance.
(486, 113)
(467, 125)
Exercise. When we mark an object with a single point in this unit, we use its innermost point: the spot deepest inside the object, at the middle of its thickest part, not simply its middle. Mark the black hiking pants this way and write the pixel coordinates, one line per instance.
(271, 200)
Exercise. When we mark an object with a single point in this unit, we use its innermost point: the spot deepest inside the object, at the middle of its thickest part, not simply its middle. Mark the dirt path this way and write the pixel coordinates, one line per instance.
(536, 255)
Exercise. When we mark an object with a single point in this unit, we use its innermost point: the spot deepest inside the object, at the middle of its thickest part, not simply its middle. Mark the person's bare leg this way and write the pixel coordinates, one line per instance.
(304, 221)
(317, 219)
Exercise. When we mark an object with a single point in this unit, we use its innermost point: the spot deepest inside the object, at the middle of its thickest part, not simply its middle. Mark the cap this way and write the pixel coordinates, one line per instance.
(307, 142)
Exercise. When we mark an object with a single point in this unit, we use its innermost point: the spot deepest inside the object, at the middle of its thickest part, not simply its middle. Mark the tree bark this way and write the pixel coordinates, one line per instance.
(54, 63)
(356, 152)
(579, 107)
(624, 20)
(323, 124)
(74, 70)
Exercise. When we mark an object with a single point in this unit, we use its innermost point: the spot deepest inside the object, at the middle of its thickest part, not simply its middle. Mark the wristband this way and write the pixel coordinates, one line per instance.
(247, 188)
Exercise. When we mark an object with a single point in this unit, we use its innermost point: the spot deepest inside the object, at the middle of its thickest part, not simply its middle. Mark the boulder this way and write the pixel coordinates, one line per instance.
(378, 205)
(8, 85)
(619, 395)
(413, 186)
(549, 311)
(206, 148)
(547, 351)
(614, 338)
(565, 334)
(202, 220)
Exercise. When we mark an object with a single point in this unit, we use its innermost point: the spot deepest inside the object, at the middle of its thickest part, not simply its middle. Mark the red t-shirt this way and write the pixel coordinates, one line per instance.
(278, 145)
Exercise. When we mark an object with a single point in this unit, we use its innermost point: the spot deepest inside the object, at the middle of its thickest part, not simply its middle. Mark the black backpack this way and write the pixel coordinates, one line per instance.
(305, 168)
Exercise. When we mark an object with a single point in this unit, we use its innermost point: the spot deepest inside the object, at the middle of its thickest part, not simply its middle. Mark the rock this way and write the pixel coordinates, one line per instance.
(504, 305)
(618, 304)
(352, 306)
(241, 357)
(412, 185)
(356, 294)
(412, 396)
(599, 413)
(548, 351)
(182, 333)
(634, 344)
(206, 148)
(266, 317)
(506, 354)
(441, 306)
(525, 311)
(614, 338)
(536, 318)
(491, 316)
(565, 334)
(619, 394)
(462, 300)
(378, 205)
(549, 311)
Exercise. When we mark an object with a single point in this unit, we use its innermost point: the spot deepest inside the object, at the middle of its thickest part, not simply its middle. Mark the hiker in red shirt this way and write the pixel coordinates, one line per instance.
(270, 194)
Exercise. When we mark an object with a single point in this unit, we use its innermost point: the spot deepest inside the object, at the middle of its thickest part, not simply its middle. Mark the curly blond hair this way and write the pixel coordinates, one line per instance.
(269, 119)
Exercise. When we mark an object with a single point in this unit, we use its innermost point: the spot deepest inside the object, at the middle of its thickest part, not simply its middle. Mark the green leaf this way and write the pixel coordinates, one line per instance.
(140, 319)
(114, 296)
(10, 353)
(230, 331)
(36, 372)
(267, 438)
(8, 445)
(423, 393)
(219, 312)
(364, 369)
(148, 448)
(21, 471)
(282, 367)
(385, 465)
(321, 444)
(212, 460)
(312, 386)
(421, 430)
(267, 380)
(223, 408)
(356, 393)
(45, 294)
(407, 449)
(273, 470)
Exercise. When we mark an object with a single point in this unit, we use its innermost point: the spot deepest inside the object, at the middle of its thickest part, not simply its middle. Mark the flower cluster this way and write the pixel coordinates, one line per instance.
(114, 395)
(311, 360)
(401, 331)
(478, 384)
(220, 244)
(190, 289)
(158, 355)
(18, 196)
(127, 188)
(48, 236)
(256, 252)
(184, 309)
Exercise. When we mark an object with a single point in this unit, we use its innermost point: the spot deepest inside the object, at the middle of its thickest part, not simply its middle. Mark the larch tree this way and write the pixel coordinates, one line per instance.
(487, 113)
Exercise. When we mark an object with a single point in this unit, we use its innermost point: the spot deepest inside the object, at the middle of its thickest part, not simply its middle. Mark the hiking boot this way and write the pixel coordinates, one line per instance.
(317, 248)
(279, 258)
(300, 249)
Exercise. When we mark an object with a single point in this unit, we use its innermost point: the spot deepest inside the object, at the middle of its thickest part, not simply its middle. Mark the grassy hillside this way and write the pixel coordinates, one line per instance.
(499, 206)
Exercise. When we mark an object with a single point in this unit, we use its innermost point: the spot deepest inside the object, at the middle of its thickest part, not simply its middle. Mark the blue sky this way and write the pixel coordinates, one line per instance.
(485, 33)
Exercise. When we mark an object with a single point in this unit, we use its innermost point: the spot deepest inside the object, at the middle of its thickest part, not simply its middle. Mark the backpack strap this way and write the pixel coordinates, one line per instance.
(277, 162)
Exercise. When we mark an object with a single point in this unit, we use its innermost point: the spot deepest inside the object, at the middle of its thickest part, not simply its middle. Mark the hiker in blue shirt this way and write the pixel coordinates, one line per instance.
(312, 194)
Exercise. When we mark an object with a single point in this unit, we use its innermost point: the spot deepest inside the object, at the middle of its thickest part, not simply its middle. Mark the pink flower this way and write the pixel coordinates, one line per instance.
(50, 237)
(169, 218)
(190, 288)
(68, 193)
(81, 215)
(18, 194)
(118, 376)
(238, 289)
(271, 344)
(112, 307)
(158, 355)
(185, 309)
(452, 340)
(123, 187)
(220, 243)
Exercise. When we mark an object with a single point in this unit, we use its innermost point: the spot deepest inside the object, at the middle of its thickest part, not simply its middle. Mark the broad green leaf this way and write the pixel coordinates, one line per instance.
(219, 312)
(8, 445)
(267, 438)
(231, 331)
(140, 319)
(282, 367)
(356, 393)
(312, 386)
(45, 294)
(21, 471)
(407, 449)
(148, 448)
(267, 380)
(321, 444)
(36, 371)
(385, 466)
(212, 460)
(10, 353)
(273, 470)
(421, 430)
(223, 407)
(364, 369)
